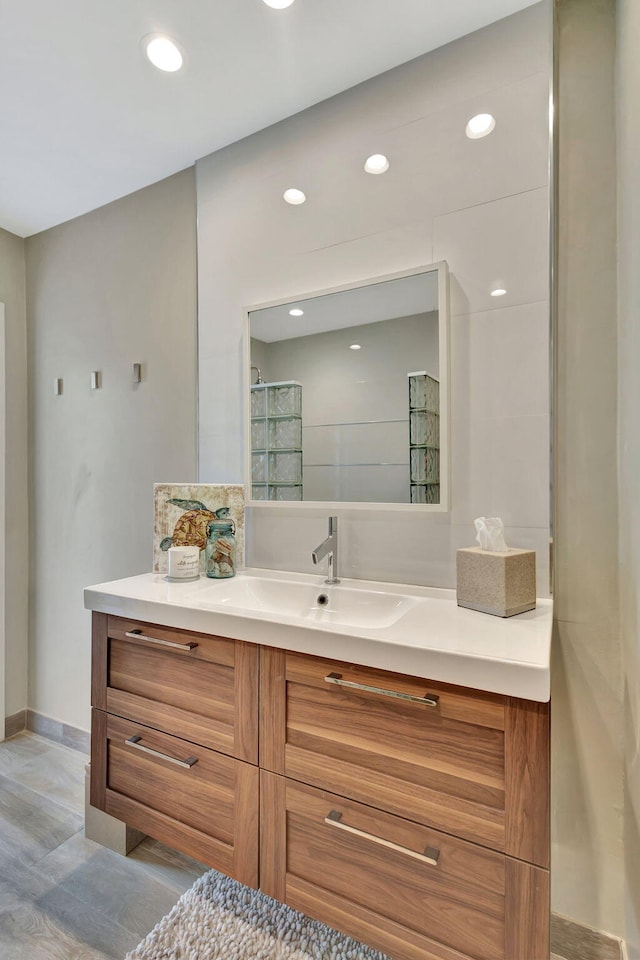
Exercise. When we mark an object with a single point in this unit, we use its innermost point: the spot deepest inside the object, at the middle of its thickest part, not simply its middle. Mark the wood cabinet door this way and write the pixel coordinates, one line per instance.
(198, 687)
(187, 796)
(470, 763)
(408, 890)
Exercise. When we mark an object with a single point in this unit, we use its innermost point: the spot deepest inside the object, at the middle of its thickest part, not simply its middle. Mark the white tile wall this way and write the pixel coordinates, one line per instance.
(380, 483)
(509, 472)
(357, 443)
(368, 399)
(375, 545)
(350, 397)
(480, 205)
(503, 243)
(504, 353)
(497, 166)
(386, 251)
(501, 461)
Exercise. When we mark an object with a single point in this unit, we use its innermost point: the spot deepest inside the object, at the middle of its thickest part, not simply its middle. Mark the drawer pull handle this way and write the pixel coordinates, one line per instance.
(429, 701)
(135, 742)
(431, 855)
(139, 635)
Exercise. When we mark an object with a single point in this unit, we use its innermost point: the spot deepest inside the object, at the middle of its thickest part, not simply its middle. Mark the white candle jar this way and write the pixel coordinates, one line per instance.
(183, 563)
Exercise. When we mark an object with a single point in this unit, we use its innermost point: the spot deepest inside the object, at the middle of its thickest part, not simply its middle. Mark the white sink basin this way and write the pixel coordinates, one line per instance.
(416, 630)
(336, 604)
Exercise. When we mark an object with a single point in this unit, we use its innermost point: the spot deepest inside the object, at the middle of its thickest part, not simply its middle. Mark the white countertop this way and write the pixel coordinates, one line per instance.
(434, 639)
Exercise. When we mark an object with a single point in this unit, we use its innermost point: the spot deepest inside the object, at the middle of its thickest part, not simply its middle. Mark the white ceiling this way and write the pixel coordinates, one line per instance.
(84, 117)
(372, 303)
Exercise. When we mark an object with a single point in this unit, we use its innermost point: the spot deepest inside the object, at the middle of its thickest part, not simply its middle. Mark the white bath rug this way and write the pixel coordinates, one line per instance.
(219, 919)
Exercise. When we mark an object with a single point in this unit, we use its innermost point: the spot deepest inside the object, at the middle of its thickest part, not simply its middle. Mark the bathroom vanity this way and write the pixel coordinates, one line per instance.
(380, 762)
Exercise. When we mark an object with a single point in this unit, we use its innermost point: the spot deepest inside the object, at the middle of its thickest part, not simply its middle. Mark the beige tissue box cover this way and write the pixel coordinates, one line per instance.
(502, 584)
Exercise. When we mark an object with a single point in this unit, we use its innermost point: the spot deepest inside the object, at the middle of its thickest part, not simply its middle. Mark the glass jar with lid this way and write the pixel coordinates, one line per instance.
(220, 549)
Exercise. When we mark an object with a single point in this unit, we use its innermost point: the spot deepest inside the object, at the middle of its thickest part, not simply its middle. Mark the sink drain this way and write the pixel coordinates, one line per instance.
(322, 600)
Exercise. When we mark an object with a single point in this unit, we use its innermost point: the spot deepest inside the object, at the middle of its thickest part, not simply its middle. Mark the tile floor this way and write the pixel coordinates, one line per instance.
(63, 897)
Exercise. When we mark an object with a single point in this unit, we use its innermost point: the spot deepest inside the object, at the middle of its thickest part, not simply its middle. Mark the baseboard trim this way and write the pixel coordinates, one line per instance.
(14, 724)
(59, 732)
(575, 941)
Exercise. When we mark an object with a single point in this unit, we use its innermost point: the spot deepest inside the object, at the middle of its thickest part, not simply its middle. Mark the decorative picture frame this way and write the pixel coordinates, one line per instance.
(182, 512)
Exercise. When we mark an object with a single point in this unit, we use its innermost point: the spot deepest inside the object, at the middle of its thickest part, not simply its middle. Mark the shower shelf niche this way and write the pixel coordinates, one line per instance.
(276, 441)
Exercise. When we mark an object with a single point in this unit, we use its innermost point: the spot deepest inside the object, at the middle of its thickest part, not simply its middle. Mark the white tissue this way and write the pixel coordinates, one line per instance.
(490, 534)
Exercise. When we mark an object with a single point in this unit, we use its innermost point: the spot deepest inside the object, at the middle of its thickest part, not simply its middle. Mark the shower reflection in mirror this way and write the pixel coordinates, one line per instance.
(338, 410)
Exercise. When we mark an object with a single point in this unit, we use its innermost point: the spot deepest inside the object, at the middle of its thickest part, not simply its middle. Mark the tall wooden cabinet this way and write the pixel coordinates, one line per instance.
(411, 815)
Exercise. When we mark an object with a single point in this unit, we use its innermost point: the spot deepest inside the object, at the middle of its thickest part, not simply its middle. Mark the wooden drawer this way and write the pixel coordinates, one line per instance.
(205, 804)
(198, 687)
(408, 890)
(466, 762)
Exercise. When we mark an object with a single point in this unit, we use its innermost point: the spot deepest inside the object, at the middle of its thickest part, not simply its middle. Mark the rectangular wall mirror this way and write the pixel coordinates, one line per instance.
(347, 394)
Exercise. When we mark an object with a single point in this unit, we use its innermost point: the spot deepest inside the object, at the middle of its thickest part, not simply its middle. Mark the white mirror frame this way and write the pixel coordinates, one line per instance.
(444, 373)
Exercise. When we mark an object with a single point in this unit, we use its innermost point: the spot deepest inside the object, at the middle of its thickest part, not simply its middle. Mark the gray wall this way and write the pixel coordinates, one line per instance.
(587, 773)
(12, 294)
(108, 289)
(628, 39)
(355, 404)
(484, 211)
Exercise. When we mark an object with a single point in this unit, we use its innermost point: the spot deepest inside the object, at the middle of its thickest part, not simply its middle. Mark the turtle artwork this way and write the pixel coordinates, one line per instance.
(191, 527)
(182, 512)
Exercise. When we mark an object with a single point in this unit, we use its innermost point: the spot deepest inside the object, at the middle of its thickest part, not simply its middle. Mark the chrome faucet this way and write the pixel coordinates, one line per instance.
(329, 547)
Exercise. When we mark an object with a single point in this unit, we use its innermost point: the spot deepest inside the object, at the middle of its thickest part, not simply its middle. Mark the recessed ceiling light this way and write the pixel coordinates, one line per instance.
(163, 53)
(296, 312)
(355, 346)
(292, 195)
(480, 126)
(377, 163)
(278, 4)
(498, 292)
